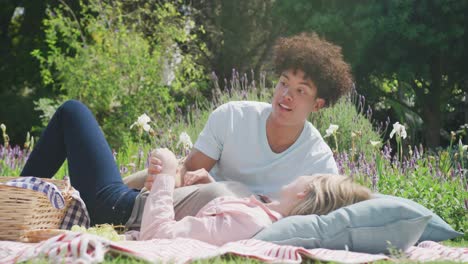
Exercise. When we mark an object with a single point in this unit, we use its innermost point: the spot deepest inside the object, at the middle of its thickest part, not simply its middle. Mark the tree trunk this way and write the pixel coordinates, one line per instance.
(432, 114)
(432, 123)
(465, 108)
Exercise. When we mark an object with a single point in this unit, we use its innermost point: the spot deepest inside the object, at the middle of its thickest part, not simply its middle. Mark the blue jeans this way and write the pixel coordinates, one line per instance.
(74, 134)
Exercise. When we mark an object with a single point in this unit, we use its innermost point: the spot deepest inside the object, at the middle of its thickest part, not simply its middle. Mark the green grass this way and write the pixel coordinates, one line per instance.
(450, 243)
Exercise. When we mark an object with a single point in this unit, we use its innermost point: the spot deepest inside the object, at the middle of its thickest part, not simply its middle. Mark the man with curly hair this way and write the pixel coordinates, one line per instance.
(255, 147)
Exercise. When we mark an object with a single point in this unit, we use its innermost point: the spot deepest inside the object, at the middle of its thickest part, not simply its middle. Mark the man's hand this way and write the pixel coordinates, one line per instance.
(200, 176)
(162, 161)
(154, 168)
(196, 167)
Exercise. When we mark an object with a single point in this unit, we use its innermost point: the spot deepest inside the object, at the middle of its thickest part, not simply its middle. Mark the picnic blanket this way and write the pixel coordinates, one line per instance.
(73, 247)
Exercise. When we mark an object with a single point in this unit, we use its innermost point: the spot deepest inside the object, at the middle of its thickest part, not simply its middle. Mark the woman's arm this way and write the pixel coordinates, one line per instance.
(159, 207)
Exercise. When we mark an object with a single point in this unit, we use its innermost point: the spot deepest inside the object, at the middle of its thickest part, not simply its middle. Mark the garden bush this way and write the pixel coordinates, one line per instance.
(355, 131)
(114, 69)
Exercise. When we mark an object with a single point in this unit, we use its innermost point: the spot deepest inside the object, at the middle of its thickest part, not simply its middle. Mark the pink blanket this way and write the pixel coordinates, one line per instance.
(85, 248)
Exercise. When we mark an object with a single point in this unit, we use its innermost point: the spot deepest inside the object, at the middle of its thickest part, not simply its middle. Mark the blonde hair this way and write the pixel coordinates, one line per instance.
(328, 192)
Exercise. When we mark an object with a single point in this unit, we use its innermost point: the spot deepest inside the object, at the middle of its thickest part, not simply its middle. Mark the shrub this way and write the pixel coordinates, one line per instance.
(425, 177)
(355, 128)
(114, 69)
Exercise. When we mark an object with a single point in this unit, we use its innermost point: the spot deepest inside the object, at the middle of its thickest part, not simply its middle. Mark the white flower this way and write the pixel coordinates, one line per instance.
(399, 129)
(375, 143)
(142, 122)
(331, 130)
(185, 140)
(3, 127)
(461, 146)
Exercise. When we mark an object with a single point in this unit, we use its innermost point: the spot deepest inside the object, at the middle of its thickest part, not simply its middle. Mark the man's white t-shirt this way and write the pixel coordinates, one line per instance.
(235, 136)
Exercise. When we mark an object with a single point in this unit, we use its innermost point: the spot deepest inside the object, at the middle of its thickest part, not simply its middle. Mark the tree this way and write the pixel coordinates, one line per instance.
(410, 53)
(237, 34)
(19, 32)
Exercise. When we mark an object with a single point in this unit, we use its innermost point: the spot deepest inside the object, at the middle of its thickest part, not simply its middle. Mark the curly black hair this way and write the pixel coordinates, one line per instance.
(321, 61)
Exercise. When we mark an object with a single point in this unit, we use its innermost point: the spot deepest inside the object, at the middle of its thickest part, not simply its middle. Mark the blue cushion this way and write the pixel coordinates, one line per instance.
(371, 226)
(436, 229)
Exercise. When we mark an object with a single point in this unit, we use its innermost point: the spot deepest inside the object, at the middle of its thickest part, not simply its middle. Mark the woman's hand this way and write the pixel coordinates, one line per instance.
(168, 160)
(162, 161)
(200, 176)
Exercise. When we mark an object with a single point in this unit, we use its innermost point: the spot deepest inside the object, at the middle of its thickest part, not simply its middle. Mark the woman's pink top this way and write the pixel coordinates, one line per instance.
(222, 220)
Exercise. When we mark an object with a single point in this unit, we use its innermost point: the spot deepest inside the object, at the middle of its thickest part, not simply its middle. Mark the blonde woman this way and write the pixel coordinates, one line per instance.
(227, 219)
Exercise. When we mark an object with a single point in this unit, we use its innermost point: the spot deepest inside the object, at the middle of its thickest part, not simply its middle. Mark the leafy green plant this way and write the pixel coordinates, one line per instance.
(355, 130)
(424, 180)
(114, 69)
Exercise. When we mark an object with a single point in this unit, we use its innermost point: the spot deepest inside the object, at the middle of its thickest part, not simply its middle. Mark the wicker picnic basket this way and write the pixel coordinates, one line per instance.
(22, 210)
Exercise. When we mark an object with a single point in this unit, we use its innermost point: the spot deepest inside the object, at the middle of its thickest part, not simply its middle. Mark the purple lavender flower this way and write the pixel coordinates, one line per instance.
(375, 179)
(139, 159)
(369, 113)
(254, 87)
(244, 95)
(387, 152)
(416, 152)
(214, 77)
(148, 154)
(123, 170)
